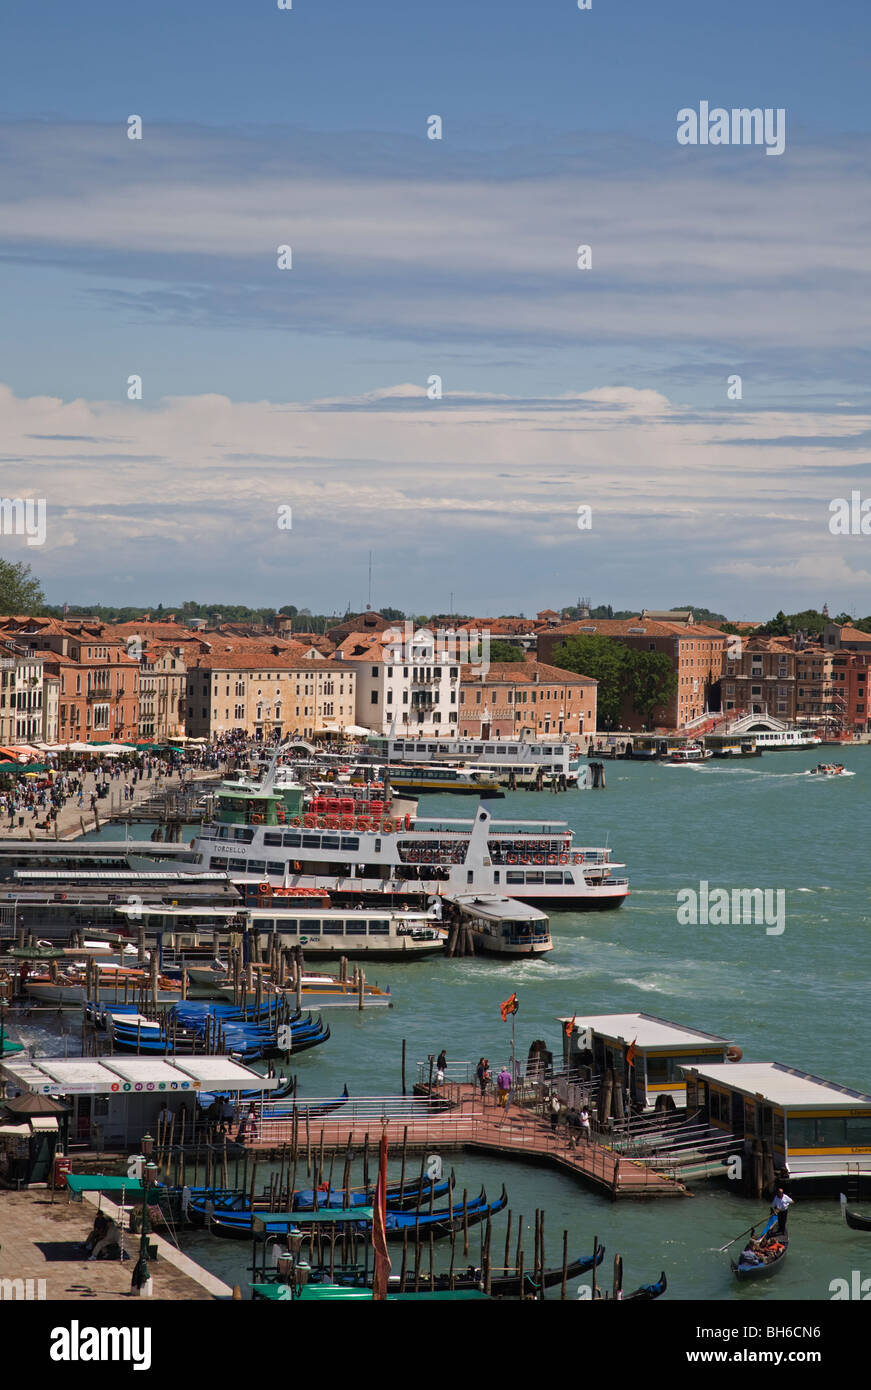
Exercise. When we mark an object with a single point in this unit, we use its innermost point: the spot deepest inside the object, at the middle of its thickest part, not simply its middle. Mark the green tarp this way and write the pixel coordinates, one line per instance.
(100, 1182)
(317, 1293)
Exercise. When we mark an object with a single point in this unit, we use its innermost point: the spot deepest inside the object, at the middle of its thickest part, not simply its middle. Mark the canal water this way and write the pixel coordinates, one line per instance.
(798, 996)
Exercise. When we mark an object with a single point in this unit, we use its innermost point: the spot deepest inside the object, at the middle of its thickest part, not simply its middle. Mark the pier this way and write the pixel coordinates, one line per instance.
(459, 1124)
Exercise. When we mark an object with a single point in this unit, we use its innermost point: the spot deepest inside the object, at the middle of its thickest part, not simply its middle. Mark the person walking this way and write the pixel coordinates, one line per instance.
(555, 1108)
(482, 1073)
(585, 1124)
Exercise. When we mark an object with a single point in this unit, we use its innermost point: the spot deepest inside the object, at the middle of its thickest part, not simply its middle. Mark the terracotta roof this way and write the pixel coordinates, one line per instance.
(632, 627)
(524, 673)
(264, 661)
(854, 634)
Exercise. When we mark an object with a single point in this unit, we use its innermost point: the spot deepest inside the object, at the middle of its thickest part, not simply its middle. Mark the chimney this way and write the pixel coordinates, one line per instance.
(170, 617)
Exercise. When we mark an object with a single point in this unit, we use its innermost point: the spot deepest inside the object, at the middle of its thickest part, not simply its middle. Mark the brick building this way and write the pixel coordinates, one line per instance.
(98, 694)
(525, 699)
(695, 650)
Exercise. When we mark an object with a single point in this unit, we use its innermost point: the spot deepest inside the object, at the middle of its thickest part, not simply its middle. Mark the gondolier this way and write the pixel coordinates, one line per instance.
(780, 1207)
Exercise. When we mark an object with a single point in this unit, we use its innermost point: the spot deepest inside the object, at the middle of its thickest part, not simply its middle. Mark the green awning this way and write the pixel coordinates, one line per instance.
(101, 1182)
(326, 1216)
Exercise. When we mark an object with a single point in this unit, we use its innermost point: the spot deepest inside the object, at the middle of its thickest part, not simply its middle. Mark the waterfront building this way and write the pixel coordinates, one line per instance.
(759, 677)
(600, 1043)
(162, 693)
(268, 693)
(22, 677)
(816, 1129)
(695, 650)
(408, 681)
(98, 698)
(511, 699)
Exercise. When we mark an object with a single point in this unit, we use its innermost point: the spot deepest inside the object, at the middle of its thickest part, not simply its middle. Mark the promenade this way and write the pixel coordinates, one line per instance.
(73, 820)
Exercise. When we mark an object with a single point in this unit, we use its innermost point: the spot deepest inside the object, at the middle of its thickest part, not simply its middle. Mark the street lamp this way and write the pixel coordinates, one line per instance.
(140, 1284)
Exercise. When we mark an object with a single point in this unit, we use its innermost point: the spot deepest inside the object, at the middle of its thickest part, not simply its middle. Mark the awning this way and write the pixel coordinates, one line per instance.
(40, 1122)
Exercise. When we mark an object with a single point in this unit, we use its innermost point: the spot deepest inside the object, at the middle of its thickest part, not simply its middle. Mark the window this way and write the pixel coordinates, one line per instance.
(293, 840)
(373, 698)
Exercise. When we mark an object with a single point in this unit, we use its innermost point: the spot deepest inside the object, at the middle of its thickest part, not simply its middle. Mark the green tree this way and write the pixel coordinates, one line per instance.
(652, 682)
(603, 660)
(505, 651)
(20, 591)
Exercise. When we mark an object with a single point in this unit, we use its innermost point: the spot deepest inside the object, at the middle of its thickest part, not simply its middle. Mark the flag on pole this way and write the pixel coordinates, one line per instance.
(630, 1053)
(379, 1226)
(510, 1006)
(570, 1027)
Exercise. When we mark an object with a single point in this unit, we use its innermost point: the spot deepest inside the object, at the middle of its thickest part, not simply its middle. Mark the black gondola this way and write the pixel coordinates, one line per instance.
(764, 1268)
(649, 1291)
(854, 1220)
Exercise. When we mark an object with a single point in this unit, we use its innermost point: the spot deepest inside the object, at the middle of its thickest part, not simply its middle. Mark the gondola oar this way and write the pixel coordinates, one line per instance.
(721, 1248)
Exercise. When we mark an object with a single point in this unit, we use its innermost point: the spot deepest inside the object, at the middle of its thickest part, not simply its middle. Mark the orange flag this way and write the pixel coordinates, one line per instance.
(510, 1006)
(630, 1053)
(570, 1027)
(379, 1226)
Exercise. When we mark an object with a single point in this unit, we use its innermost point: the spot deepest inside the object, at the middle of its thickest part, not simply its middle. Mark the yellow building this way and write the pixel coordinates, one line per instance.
(269, 694)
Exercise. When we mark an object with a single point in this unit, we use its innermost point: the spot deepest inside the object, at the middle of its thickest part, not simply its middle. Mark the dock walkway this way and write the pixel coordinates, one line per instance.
(469, 1124)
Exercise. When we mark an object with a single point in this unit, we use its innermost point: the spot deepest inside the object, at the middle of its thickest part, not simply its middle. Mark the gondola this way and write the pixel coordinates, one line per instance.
(302, 1111)
(502, 1285)
(854, 1220)
(409, 1198)
(649, 1291)
(441, 1223)
(767, 1267)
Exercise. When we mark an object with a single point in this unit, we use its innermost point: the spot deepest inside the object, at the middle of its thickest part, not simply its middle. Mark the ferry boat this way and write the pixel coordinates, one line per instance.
(440, 777)
(356, 933)
(364, 858)
(496, 753)
(783, 738)
(690, 753)
(502, 927)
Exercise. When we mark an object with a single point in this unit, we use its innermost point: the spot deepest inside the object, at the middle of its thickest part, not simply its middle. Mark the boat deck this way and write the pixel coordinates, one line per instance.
(470, 1124)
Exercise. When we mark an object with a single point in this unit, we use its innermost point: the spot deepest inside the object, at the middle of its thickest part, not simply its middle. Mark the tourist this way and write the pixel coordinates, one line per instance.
(98, 1230)
(109, 1242)
(750, 1254)
(503, 1087)
(555, 1108)
(482, 1073)
(585, 1124)
(780, 1207)
(442, 1061)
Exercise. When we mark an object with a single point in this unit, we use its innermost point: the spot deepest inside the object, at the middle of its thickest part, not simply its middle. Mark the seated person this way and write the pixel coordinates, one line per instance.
(109, 1245)
(98, 1230)
(750, 1255)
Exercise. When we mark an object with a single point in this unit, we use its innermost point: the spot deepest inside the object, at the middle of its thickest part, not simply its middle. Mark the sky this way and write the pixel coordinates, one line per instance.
(433, 378)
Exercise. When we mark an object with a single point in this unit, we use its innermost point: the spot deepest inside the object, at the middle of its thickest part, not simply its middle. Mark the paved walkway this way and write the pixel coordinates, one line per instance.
(73, 821)
(42, 1240)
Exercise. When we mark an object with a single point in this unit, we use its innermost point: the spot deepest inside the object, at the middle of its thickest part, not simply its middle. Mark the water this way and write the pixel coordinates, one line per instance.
(799, 997)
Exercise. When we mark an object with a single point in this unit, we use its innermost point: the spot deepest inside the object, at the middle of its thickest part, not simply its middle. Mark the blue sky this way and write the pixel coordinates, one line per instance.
(415, 257)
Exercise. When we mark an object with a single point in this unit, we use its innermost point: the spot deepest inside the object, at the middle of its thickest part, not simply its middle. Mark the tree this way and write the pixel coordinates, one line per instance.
(505, 651)
(653, 681)
(601, 660)
(20, 591)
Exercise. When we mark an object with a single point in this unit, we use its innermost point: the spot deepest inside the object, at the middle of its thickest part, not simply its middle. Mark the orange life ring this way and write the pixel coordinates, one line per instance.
(525, 859)
(565, 859)
(552, 859)
(512, 858)
(265, 889)
(538, 859)
(387, 826)
(256, 820)
(296, 821)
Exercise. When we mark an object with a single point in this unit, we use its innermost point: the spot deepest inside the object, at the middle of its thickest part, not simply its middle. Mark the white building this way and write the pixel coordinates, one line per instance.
(407, 682)
(21, 694)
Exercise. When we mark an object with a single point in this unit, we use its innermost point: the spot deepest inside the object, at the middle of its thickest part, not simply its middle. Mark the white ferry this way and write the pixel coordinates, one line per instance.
(784, 738)
(254, 837)
(503, 927)
(358, 934)
(496, 753)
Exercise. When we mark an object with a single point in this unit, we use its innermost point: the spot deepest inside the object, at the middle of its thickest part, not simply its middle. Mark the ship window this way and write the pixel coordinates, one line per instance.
(264, 924)
(239, 864)
(309, 927)
(274, 866)
(217, 862)
(553, 877)
(568, 877)
(311, 841)
(379, 929)
(512, 876)
(535, 878)
(330, 842)
(288, 925)
(292, 841)
(333, 928)
(350, 842)
(270, 838)
(257, 866)
(355, 930)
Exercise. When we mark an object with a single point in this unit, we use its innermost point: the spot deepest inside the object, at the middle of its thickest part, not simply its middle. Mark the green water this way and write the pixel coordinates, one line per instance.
(800, 997)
